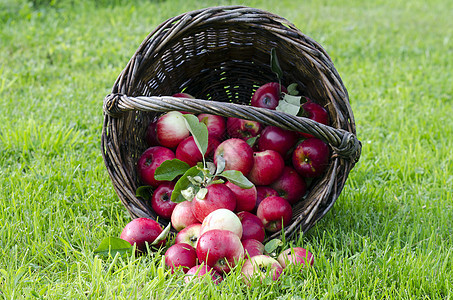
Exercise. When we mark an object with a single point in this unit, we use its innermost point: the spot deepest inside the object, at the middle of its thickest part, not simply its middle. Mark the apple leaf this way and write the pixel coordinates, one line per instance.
(237, 178)
(109, 246)
(170, 169)
(145, 192)
(221, 162)
(184, 182)
(289, 104)
(188, 193)
(251, 141)
(275, 65)
(272, 245)
(199, 132)
(292, 89)
(211, 168)
(201, 194)
(163, 235)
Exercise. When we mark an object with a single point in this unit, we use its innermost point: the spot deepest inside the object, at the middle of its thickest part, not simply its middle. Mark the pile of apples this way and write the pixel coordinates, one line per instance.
(225, 216)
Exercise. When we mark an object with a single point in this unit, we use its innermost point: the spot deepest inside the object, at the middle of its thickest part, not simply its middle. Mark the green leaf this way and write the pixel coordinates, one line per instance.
(292, 89)
(272, 245)
(145, 192)
(109, 246)
(163, 235)
(170, 169)
(199, 132)
(201, 194)
(237, 178)
(289, 104)
(183, 183)
(275, 65)
(221, 162)
(251, 141)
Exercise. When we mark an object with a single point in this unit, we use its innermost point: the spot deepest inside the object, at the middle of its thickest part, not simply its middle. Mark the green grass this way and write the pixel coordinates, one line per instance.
(389, 235)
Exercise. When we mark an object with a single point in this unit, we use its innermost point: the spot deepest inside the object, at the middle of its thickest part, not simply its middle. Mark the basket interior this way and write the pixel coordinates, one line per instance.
(219, 64)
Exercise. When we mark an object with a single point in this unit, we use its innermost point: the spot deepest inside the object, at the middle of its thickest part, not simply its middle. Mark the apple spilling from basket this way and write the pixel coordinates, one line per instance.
(224, 184)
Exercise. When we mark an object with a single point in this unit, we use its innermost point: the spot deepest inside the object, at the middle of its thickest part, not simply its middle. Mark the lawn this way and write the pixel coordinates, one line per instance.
(388, 236)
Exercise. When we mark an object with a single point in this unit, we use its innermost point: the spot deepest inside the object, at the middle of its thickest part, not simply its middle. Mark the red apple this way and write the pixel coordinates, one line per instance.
(218, 196)
(203, 270)
(183, 95)
(277, 139)
(268, 95)
(141, 231)
(245, 198)
(273, 211)
(180, 256)
(188, 151)
(220, 249)
(243, 129)
(311, 158)
(161, 200)
(290, 185)
(263, 191)
(252, 226)
(189, 235)
(316, 112)
(216, 124)
(252, 248)
(237, 153)
(224, 219)
(171, 129)
(149, 161)
(296, 256)
(261, 266)
(183, 216)
(267, 167)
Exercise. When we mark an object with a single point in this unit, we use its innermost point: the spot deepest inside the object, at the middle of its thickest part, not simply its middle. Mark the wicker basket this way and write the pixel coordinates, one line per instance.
(221, 56)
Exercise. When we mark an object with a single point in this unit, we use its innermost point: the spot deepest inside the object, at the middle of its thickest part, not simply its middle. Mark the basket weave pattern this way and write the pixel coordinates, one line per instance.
(221, 56)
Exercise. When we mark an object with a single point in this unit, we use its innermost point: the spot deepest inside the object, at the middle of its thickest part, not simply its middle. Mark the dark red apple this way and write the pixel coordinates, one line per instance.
(296, 256)
(171, 129)
(245, 198)
(151, 134)
(215, 124)
(311, 158)
(141, 231)
(189, 235)
(149, 161)
(243, 129)
(188, 151)
(238, 155)
(217, 196)
(161, 200)
(252, 247)
(183, 216)
(277, 139)
(290, 185)
(220, 249)
(316, 112)
(252, 226)
(202, 270)
(274, 211)
(180, 256)
(268, 95)
(263, 191)
(267, 167)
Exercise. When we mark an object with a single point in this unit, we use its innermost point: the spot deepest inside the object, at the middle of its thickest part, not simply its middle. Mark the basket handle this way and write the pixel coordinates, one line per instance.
(344, 143)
